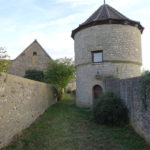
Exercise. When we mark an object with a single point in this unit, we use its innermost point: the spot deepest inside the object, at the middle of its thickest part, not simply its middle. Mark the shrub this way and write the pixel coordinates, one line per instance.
(36, 75)
(110, 110)
(4, 60)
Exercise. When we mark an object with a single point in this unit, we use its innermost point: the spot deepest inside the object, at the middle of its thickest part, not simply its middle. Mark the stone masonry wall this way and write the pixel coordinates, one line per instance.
(86, 78)
(129, 91)
(121, 46)
(21, 102)
(118, 42)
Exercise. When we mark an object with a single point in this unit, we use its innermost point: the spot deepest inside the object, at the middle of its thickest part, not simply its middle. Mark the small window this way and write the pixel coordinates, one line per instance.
(34, 53)
(97, 56)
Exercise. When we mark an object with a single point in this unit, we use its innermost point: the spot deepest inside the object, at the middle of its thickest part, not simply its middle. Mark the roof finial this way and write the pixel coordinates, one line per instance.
(104, 2)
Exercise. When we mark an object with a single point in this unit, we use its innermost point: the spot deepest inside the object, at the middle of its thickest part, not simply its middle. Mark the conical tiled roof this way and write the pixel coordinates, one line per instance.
(107, 15)
(105, 12)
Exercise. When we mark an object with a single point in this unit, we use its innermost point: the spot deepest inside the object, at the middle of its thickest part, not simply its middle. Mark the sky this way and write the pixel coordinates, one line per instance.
(52, 21)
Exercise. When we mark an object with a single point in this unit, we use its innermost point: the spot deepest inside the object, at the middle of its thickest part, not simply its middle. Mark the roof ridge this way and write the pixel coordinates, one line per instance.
(35, 41)
(108, 14)
(100, 9)
(118, 13)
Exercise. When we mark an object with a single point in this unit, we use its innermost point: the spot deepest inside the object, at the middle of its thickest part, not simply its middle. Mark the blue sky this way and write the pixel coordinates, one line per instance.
(51, 23)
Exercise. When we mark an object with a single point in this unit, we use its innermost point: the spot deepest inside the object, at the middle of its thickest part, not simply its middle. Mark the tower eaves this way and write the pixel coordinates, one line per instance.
(105, 14)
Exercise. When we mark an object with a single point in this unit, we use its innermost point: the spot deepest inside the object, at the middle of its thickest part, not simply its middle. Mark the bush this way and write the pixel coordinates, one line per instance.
(36, 75)
(4, 60)
(110, 110)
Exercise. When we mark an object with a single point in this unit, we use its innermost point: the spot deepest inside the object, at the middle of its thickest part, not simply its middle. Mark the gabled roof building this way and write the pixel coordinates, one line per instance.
(34, 57)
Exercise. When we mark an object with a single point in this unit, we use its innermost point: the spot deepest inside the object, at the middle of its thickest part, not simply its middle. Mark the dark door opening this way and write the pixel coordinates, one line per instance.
(97, 92)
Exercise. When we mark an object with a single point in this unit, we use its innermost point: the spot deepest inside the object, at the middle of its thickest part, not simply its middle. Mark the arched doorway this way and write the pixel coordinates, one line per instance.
(97, 92)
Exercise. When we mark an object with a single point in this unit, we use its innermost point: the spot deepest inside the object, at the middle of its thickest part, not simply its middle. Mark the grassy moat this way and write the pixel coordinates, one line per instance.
(64, 126)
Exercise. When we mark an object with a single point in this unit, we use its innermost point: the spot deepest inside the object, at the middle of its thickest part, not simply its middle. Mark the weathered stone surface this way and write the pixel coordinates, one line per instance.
(118, 42)
(21, 102)
(121, 45)
(129, 91)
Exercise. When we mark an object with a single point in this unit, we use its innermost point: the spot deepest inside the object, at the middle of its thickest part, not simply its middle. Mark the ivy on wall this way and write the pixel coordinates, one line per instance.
(145, 88)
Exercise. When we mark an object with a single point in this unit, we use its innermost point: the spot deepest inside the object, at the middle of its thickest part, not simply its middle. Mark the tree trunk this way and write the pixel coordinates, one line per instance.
(60, 96)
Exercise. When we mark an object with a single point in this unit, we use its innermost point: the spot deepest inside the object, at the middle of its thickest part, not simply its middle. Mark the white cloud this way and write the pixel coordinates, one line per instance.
(58, 45)
(79, 2)
(123, 3)
(51, 25)
(61, 21)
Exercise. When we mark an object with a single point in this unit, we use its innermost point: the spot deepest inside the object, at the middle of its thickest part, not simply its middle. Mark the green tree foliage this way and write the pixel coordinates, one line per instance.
(145, 88)
(36, 75)
(4, 61)
(59, 73)
(110, 110)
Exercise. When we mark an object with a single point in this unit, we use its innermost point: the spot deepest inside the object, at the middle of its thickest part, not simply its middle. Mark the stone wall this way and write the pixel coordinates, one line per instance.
(129, 91)
(21, 102)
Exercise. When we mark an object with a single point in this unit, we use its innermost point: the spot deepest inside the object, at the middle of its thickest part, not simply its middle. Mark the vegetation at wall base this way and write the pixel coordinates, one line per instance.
(4, 60)
(110, 110)
(64, 126)
(59, 72)
(36, 75)
(145, 88)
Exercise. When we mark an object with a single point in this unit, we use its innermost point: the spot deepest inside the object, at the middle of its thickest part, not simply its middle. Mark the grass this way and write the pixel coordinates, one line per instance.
(67, 127)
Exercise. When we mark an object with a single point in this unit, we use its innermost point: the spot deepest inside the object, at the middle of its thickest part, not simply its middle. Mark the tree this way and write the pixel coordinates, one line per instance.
(4, 62)
(60, 72)
(36, 75)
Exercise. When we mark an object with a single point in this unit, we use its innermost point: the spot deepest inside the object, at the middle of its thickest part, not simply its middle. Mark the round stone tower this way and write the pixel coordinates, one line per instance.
(107, 44)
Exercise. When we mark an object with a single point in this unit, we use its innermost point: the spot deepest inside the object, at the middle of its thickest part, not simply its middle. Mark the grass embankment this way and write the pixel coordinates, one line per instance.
(67, 127)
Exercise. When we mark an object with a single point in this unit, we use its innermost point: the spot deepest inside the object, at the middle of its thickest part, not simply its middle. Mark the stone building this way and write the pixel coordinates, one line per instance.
(107, 44)
(33, 57)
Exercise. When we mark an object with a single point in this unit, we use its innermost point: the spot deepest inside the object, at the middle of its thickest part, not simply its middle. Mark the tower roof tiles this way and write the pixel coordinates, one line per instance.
(105, 14)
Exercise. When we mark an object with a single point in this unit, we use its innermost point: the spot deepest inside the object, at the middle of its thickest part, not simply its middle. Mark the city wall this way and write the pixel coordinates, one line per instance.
(22, 101)
(129, 91)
